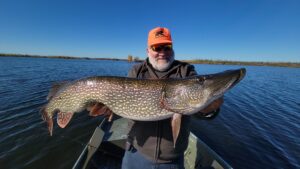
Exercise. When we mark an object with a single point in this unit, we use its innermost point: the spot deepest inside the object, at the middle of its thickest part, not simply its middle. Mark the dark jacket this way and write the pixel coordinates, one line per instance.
(154, 139)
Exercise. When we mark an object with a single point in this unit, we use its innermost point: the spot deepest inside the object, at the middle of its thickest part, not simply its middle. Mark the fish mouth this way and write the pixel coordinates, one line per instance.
(48, 119)
(221, 82)
(241, 75)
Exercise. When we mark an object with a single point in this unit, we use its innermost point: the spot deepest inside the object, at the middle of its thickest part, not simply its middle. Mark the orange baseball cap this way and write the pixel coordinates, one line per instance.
(159, 35)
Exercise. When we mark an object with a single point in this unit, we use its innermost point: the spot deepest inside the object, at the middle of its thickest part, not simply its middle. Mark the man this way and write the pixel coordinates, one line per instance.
(150, 144)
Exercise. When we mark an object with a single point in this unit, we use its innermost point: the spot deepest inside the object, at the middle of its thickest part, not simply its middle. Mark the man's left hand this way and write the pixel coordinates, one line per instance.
(213, 106)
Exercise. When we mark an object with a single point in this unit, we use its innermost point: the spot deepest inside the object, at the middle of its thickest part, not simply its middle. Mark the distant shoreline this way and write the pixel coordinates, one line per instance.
(221, 62)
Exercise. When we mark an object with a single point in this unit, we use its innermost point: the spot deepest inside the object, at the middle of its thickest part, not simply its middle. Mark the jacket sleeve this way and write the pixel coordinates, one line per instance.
(191, 71)
(133, 72)
(207, 116)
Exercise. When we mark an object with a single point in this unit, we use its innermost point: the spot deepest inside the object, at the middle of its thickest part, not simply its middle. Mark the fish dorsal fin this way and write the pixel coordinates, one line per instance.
(55, 88)
(63, 119)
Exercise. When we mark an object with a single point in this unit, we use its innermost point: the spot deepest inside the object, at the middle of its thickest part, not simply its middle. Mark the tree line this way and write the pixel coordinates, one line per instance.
(131, 58)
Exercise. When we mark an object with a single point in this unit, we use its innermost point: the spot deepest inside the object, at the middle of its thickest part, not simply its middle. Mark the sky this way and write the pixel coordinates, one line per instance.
(235, 30)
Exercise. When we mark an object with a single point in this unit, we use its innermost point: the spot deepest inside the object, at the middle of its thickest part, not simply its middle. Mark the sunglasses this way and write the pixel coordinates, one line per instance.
(161, 47)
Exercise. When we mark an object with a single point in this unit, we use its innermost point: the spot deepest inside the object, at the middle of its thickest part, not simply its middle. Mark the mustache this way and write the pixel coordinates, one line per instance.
(161, 66)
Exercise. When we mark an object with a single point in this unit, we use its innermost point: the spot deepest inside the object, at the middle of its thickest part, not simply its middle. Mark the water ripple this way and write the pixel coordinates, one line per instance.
(258, 126)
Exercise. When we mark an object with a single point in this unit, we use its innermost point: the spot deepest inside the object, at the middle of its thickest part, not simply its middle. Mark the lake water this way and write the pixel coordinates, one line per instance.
(258, 127)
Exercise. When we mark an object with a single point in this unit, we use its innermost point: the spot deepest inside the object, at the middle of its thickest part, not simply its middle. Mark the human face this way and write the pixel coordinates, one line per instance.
(161, 56)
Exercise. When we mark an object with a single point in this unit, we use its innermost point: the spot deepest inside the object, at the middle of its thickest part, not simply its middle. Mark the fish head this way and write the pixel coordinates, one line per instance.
(197, 92)
(212, 87)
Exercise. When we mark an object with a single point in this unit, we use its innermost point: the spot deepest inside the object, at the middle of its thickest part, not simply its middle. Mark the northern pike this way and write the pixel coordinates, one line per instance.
(138, 99)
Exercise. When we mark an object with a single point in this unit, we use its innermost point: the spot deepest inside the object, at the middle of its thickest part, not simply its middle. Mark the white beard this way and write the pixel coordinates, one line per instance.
(161, 66)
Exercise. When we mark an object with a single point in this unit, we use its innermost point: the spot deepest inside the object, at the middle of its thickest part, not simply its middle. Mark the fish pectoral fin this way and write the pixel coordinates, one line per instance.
(176, 124)
(64, 118)
(98, 109)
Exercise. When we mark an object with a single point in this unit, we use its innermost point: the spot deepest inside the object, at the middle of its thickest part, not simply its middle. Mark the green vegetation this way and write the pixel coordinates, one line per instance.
(37, 56)
(131, 58)
(54, 57)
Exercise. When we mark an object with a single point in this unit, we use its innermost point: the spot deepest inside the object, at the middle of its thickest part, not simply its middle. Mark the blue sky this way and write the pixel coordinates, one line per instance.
(239, 30)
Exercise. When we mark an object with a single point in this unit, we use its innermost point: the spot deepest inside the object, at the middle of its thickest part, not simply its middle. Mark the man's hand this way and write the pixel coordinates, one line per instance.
(213, 106)
(211, 111)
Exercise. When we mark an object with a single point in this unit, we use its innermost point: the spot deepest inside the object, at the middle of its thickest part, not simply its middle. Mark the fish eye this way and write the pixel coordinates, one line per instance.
(201, 80)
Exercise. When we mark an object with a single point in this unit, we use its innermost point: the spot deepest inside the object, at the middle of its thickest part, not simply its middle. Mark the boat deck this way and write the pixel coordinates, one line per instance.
(106, 158)
(105, 150)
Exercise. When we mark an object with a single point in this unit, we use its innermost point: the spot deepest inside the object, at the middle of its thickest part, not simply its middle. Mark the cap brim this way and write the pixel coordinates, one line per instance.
(161, 42)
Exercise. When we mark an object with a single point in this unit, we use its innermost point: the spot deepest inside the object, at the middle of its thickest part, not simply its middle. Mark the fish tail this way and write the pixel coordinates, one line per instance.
(48, 119)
